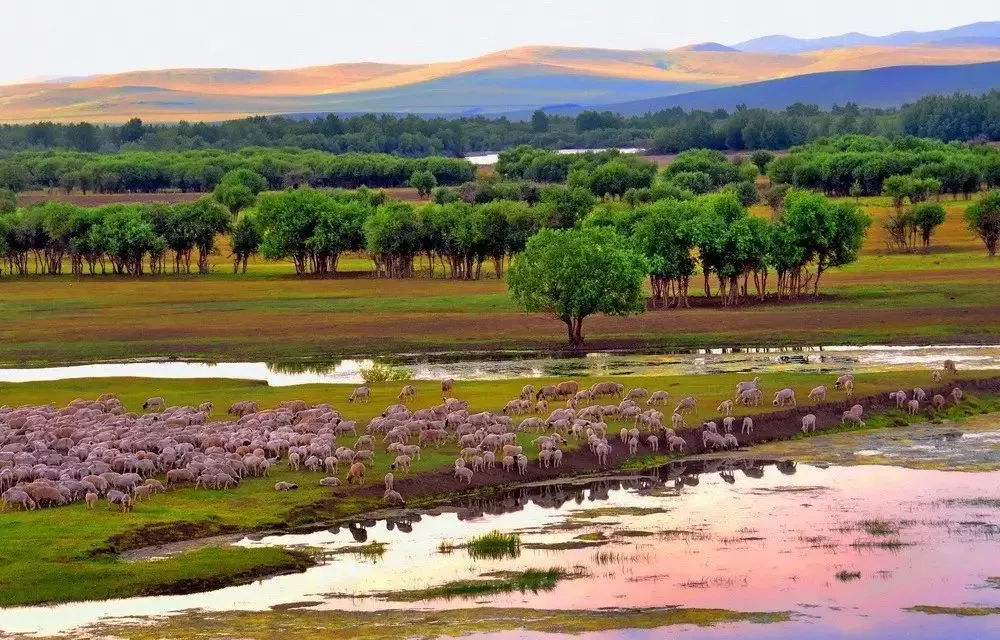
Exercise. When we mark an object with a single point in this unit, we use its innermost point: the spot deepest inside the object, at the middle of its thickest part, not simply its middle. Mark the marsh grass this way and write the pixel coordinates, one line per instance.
(533, 580)
(876, 527)
(848, 576)
(371, 551)
(494, 544)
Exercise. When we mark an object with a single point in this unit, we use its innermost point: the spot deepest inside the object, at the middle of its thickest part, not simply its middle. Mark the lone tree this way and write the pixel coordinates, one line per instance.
(424, 182)
(983, 219)
(761, 158)
(574, 273)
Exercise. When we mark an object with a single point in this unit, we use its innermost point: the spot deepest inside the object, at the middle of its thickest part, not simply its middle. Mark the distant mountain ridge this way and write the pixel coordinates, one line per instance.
(514, 81)
(976, 32)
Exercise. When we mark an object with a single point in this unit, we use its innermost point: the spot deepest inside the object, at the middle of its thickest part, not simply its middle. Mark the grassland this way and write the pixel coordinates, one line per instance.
(948, 294)
(39, 548)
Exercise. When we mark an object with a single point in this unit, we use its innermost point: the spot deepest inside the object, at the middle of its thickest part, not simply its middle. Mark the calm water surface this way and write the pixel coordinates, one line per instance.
(747, 536)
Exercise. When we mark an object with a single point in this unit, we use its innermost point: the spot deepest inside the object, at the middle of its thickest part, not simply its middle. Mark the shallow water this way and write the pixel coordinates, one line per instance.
(493, 158)
(747, 536)
(494, 366)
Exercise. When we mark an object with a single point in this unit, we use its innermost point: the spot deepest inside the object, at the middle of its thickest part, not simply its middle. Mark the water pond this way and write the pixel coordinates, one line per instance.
(845, 550)
(503, 365)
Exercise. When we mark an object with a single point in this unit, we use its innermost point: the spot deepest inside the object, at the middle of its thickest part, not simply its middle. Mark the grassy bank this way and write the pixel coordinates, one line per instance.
(42, 548)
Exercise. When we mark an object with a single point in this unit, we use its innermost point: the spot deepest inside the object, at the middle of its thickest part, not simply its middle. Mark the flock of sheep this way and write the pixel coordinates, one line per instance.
(94, 449)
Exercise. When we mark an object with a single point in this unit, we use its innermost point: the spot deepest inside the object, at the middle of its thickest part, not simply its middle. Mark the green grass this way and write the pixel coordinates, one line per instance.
(494, 544)
(533, 580)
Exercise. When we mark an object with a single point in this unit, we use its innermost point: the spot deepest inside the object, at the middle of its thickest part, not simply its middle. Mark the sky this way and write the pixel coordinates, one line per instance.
(56, 38)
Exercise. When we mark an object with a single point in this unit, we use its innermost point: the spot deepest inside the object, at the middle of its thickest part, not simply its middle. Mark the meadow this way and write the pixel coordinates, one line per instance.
(945, 294)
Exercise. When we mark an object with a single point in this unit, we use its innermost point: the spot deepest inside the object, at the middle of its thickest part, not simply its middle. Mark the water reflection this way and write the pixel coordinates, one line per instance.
(745, 535)
(501, 365)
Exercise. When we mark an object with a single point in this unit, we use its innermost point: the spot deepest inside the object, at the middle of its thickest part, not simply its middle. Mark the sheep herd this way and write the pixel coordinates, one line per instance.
(91, 450)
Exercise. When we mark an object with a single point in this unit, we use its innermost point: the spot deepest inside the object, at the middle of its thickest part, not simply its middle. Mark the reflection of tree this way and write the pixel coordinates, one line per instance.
(292, 367)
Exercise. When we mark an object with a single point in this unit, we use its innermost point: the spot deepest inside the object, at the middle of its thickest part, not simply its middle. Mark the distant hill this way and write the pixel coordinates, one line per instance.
(887, 87)
(511, 81)
(976, 32)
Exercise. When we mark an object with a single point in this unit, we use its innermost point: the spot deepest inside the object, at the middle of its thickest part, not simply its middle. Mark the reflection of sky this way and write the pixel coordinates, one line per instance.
(715, 567)
(808, 360)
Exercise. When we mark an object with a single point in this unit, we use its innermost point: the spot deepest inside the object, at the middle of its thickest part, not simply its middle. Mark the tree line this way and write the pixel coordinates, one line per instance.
(947, 118)
(862, 165)
(195, 171)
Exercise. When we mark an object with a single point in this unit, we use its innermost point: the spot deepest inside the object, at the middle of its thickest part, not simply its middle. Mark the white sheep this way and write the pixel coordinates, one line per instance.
(818, 393)
(808, 423)
(784, 397)
(726, 407)
(361, 394)
(676, 442)
(747, 425)
(727, 424)
(658, 398)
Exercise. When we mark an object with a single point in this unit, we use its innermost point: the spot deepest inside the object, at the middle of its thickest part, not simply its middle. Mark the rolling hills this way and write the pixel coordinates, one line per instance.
(708, 74)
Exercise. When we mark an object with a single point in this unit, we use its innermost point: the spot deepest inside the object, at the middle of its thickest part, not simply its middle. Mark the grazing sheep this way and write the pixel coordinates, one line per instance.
(653, 442)
(938, 401)
(633, 446)
(393, 497)
(447, 385)
(677, 421)
(464, 473)
(407, 393)
(808, 423)
(356, 472)
(658, 398)
(711, 426)
(919, 394)
(541, 406)
(401, 463)
(557, 456)
(688, 404)
(899, 397)
(507, 462)
(676, 442)
(361, 394)
(727, 424)
(637, 393)
(155, 484)
(726, 407)
(294, 459)
(91, 499)
(818, 393)
(747, 386)
(601, 451)
(949, 366)
(20, 497)
(285, 486)
(142, 492)
(154, 402)
(842, 380)
(713, 440)
(784, 397)
(849, 387)
(731, 441)
(751, 397)
(747, 425)
(956, 395)
(388, 481)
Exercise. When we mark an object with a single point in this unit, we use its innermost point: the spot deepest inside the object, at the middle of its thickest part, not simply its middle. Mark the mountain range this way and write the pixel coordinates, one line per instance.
(772, 71)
